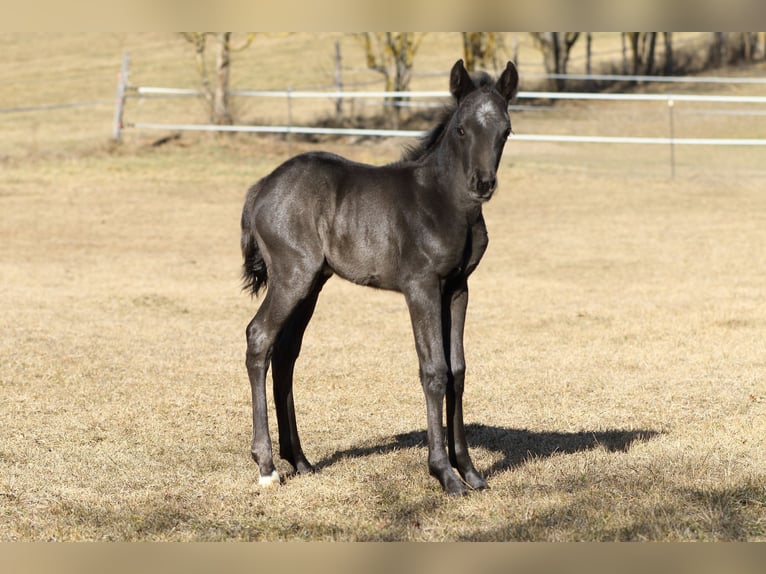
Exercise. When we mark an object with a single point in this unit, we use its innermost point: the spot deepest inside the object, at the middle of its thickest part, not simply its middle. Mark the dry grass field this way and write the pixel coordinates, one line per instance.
(616, 335)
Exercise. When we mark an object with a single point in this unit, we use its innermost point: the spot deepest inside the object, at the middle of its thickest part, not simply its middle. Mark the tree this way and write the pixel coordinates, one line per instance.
(217, 94)
(556, 47)
(717, 49)
(744, 47)
(642, 46)
(479, 50)
(393, 55)
(732, 48)
(668, 53)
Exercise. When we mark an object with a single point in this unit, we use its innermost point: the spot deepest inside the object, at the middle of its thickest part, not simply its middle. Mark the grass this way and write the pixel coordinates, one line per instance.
(614, 344)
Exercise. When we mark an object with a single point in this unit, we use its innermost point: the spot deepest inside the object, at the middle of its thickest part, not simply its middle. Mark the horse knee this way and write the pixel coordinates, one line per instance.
(434, 380)
(458, 379)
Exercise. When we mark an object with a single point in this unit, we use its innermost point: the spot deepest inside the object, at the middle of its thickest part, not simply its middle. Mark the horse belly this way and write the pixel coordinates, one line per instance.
(364, 261)
(362, 246)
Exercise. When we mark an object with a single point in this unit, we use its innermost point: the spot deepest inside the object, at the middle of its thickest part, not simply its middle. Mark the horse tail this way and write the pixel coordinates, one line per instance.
(254, 272)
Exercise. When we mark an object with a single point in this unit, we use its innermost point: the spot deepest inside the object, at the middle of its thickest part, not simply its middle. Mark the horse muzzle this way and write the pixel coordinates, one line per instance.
(483, 185)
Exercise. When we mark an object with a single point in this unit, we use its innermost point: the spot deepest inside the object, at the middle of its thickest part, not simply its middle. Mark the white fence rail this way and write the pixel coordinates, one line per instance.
(124, 92)
(334, 95)
(414, 133)
(669, 99)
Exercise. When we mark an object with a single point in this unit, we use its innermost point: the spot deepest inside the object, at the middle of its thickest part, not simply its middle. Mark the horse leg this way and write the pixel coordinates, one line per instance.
(455, 305)
(424, 302)
(281, 300)
(286, 351)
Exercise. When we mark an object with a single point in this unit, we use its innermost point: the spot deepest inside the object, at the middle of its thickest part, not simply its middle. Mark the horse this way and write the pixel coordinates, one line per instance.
(414, 226)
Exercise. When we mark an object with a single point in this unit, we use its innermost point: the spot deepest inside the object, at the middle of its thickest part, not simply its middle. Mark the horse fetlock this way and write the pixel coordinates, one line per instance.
(262, 456)
(298, 461)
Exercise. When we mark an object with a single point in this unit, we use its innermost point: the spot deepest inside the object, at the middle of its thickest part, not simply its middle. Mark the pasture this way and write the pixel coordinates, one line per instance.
(615, 338)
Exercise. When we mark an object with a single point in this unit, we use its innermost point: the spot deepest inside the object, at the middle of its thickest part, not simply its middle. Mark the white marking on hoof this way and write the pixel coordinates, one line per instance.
(270, 480)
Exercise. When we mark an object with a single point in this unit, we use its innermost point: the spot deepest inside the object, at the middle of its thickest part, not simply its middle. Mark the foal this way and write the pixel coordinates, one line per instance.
(415, 227)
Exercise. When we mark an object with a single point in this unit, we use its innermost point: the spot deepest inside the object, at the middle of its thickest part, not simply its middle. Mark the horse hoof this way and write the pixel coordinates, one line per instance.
(304, 469)
(269, 480)
(459, 490)
(455, 487)
(476, 481)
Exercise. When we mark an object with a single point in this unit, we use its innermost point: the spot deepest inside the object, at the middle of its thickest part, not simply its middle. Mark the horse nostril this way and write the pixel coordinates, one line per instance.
(486, 185)
(482, 184)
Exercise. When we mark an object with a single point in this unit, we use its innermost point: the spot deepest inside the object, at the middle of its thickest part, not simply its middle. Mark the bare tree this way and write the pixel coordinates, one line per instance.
(727, 48)
(745, 47)
(717, 49)
(393, 55)
(668, 53)
(479, 50)
(217, 92)
(623, 36)
(556, 47)
(650, 45)
(642, 46)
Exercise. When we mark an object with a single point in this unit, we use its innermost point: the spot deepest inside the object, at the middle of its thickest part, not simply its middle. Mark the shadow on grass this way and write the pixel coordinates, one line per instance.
(516, 446)
(651, 512)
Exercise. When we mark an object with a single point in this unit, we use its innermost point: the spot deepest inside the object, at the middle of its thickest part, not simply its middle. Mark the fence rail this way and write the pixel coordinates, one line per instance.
(334, 95)
(669, 99)
(125, 92)
(650, 79)
(416, 133)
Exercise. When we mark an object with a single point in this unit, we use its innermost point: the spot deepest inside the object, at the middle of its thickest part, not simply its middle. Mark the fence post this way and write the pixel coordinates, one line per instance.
(516, 50)
(672, 141)
(289, 120)
(338, 82)
(122, 84)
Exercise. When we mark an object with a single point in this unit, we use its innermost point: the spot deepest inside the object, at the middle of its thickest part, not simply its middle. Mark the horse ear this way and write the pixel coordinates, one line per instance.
(508, 83)
(460, 83)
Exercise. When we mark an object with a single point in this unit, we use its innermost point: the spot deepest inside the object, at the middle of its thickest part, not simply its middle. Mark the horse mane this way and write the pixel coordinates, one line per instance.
(428, 141)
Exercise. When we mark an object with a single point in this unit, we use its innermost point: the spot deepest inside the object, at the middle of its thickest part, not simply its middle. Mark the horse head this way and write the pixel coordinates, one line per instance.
(480, 125)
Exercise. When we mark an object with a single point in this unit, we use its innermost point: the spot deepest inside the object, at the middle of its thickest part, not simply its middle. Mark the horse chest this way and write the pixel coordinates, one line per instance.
(452, 259)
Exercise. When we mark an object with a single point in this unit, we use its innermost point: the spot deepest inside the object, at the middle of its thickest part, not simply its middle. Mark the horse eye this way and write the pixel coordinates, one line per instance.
(460, 131)
(507, 133)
